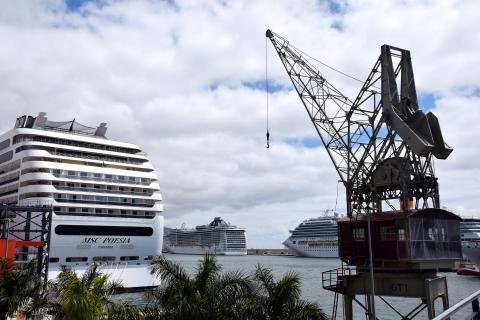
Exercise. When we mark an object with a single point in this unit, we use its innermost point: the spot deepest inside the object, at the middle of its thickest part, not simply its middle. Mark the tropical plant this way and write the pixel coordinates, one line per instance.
(85, 298)
(19, 286)
(124, 311)
(207, 294)
(280, 300)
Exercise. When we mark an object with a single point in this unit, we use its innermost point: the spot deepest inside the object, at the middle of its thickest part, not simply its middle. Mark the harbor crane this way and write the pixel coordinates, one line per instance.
(382, 145)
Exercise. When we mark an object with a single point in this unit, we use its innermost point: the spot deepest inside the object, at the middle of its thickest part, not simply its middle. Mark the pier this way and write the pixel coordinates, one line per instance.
(269, 252)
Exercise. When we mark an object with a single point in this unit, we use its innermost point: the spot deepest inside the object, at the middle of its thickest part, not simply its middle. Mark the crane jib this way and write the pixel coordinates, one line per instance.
(381, 143)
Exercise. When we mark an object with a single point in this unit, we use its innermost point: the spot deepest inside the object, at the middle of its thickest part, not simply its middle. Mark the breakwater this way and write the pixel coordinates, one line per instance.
(269, 252)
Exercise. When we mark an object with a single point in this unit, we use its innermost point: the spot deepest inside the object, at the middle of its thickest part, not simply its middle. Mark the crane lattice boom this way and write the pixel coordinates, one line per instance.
(381, 148)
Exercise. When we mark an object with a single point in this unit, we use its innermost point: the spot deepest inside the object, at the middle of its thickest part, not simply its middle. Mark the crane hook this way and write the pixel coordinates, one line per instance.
(268, 139)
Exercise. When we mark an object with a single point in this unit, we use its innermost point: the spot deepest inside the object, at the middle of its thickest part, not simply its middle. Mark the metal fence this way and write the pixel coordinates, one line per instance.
(471, 300)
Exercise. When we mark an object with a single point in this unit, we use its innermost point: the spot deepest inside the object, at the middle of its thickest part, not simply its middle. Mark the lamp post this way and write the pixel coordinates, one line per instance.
(372, 282)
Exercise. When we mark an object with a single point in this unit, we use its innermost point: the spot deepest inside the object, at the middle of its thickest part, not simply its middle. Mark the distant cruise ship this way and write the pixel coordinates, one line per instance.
(104, 193)
(470, 229)
(470, 235)
(317, 237)
(218, 238)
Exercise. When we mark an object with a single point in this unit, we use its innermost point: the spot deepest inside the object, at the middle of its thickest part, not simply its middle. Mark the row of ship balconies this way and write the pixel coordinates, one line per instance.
(87, 183)
(79, 148)
(76, 143)
(96, 176)
(105, 200)
(111, 183)
(38, 153)
(34, 183)
(40, 179)
(106, 211)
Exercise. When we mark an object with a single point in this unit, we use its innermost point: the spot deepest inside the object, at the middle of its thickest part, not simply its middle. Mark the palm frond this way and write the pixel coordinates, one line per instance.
(168, 270)
(124, 311)
(90, 275)
(303, 310)
(288, 288)
(153, 313)
(206, 270)
(19, 285)
(233, 285)
(265, 277)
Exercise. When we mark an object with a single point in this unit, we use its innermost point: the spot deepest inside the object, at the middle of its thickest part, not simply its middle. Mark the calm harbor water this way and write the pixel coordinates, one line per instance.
(310, 270)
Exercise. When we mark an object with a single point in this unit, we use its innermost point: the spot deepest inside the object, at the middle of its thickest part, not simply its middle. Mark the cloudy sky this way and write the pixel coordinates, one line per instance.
(184, 80)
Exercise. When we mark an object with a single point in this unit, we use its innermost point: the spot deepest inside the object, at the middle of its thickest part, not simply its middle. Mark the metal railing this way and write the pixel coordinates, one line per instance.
(473, 299)
(93, 157)
(332, 279)
(34, 202)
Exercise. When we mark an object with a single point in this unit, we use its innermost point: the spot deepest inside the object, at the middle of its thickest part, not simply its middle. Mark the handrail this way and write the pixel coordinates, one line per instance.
(473, 298)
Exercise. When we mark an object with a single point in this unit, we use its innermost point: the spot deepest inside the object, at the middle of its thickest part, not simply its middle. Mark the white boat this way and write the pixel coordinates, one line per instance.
(104, 193)
(315, 238)
(218, 237)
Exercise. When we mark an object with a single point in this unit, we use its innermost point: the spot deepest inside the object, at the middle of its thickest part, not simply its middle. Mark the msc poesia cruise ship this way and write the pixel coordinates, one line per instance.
(317, 237)
(218, 237)
(104, 193)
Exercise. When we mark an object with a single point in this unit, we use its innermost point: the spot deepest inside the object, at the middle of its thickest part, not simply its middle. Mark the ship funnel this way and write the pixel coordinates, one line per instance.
(101, 130)
(40, 120)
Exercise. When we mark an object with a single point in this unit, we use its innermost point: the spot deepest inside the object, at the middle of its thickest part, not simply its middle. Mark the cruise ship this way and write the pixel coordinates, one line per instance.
(470, 229)
(470, 235)
(316, 238)
(105, 196)
(218, 237)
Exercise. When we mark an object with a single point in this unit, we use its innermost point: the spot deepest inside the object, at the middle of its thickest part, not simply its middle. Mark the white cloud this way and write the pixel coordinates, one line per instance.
(169, 78)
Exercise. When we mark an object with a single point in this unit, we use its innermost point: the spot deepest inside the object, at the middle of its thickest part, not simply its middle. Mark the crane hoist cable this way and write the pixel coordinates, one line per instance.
(266, 88)
(312, 58)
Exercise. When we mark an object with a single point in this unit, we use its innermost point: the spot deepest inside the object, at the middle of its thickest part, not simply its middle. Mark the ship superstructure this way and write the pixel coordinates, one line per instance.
(316, 237)
(470, 229)
(104, 193)
(218, 237)
(470, 235)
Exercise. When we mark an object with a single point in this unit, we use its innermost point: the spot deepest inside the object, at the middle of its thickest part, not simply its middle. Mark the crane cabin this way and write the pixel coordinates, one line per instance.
(427, 239)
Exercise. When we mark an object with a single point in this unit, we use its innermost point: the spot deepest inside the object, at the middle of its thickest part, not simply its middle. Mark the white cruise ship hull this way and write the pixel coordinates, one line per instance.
(472, 251)
(131, 254)
(327, 250)
(205, 250)
(132, 278)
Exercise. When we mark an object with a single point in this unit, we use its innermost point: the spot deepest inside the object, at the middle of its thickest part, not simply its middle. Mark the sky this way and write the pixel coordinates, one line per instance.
(185, 80)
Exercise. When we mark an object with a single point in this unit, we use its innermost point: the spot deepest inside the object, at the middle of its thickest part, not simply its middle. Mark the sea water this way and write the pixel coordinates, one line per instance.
(310, 271)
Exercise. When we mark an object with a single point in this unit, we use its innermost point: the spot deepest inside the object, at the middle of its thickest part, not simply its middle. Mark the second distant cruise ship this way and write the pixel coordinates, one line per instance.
(316, 238)
(217, 237)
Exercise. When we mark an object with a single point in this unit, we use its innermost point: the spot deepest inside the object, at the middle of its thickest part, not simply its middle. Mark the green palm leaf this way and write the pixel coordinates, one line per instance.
(19, 286)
